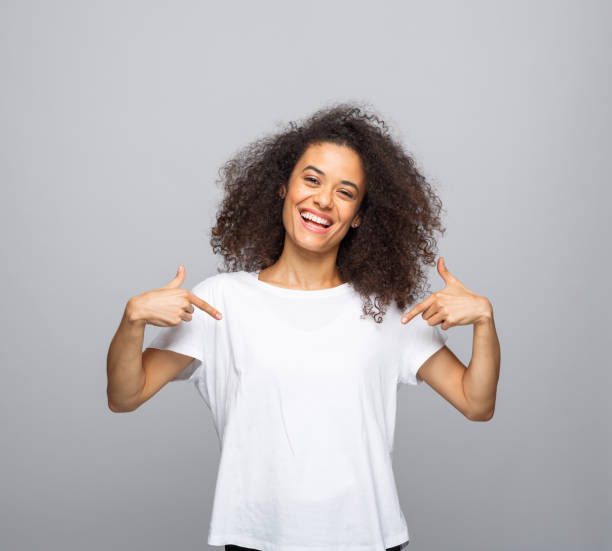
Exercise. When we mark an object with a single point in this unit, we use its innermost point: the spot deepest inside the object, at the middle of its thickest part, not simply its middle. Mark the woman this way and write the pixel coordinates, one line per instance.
(322, 226)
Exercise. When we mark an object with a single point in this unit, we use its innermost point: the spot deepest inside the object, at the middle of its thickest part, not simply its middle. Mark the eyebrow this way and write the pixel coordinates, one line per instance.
(345, 182)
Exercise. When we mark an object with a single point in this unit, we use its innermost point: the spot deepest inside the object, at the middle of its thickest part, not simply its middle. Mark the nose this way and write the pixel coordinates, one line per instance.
(324, 197)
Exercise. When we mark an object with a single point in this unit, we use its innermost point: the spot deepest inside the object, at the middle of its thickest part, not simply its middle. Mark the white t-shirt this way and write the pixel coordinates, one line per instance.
(302, 392)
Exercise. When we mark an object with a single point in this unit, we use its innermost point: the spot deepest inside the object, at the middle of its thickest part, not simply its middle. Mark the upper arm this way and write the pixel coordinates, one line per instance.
(175, 347)
(443, 372)
(160, 367)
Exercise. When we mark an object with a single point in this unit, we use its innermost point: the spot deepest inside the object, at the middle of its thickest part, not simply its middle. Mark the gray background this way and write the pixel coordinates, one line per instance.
(115, 117)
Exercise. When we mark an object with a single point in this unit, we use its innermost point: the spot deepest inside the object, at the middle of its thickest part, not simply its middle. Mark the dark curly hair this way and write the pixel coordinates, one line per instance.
(384, 257)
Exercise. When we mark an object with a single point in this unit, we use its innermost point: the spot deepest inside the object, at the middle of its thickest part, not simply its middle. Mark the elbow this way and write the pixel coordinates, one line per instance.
(481, 416)
(115, 409)
(125, 407)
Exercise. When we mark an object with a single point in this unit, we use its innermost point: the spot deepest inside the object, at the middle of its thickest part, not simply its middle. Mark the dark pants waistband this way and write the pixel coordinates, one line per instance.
(231, 547)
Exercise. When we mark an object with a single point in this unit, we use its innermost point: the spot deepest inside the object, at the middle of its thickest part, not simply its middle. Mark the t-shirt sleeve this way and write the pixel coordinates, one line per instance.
(420, 341)
(187, 338)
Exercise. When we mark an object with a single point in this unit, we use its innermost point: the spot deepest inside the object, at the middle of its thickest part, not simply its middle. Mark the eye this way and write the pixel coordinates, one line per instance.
(311, 180)
(347, 193)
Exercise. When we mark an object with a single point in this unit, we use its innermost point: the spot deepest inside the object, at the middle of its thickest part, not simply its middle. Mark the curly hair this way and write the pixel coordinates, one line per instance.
(385, 256)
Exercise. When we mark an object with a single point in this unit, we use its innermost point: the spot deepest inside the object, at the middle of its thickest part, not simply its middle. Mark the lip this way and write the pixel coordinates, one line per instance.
(320, 214)
(315, 229)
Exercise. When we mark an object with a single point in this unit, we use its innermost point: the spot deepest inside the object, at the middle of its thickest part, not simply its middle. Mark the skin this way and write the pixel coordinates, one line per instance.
(308, 259)
(135, 376)
(472, 389)
(308, 262)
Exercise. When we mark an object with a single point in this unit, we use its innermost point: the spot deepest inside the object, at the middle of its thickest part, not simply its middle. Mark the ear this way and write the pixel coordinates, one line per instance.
(282, 191)
(357, 220)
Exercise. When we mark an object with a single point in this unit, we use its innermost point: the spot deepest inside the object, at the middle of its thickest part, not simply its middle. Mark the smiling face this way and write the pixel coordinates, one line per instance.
(328, 182)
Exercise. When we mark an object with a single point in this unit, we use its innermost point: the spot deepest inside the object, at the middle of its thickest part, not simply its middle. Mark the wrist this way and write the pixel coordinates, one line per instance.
(132, 315)
(485, 316)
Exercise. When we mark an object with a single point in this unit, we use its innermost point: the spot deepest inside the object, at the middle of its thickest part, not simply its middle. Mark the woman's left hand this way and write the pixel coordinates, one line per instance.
(453, 305)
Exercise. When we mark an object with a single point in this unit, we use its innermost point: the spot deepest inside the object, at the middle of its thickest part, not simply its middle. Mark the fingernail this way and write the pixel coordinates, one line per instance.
(218, 315)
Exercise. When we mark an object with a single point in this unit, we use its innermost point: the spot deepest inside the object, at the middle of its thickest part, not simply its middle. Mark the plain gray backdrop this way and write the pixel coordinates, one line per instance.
(116, 116)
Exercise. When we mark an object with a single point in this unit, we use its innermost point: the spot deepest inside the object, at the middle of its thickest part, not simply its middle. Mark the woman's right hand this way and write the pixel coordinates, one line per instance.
(168, 305)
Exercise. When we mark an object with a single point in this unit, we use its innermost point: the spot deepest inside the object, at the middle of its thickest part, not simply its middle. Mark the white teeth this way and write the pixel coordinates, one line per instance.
(309, 216)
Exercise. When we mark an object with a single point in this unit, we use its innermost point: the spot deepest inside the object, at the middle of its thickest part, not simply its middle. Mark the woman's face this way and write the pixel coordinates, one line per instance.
(328, 181)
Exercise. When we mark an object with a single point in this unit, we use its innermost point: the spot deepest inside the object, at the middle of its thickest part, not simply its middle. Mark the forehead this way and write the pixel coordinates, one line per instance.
(336, 161)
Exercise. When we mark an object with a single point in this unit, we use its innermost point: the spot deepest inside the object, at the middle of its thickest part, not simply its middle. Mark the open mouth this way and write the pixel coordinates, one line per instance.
(314, 222)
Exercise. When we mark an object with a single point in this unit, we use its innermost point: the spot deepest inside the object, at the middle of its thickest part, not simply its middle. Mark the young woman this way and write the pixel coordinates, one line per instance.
(292, 346)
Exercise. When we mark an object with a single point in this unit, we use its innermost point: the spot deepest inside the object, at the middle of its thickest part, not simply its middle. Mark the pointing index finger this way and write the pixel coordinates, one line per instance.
(203, 305)
(415, 311)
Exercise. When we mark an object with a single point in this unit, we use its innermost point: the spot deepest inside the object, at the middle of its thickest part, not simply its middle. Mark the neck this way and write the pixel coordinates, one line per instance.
(303, 270)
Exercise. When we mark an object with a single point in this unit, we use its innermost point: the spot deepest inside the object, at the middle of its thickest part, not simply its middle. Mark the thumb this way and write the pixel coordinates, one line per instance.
(178, 279)
(443, 271)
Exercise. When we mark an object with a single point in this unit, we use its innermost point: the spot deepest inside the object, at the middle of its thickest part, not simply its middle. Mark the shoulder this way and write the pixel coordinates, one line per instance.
(217, 283)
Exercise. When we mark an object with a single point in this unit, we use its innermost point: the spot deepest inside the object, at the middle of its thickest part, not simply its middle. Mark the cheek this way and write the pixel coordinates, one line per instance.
(289, 210)
(297, 194)
(347, 215)
(293, 201)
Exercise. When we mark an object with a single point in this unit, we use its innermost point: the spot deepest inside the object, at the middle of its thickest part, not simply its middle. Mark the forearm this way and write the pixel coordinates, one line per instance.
(124, 371)
(480, 378)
